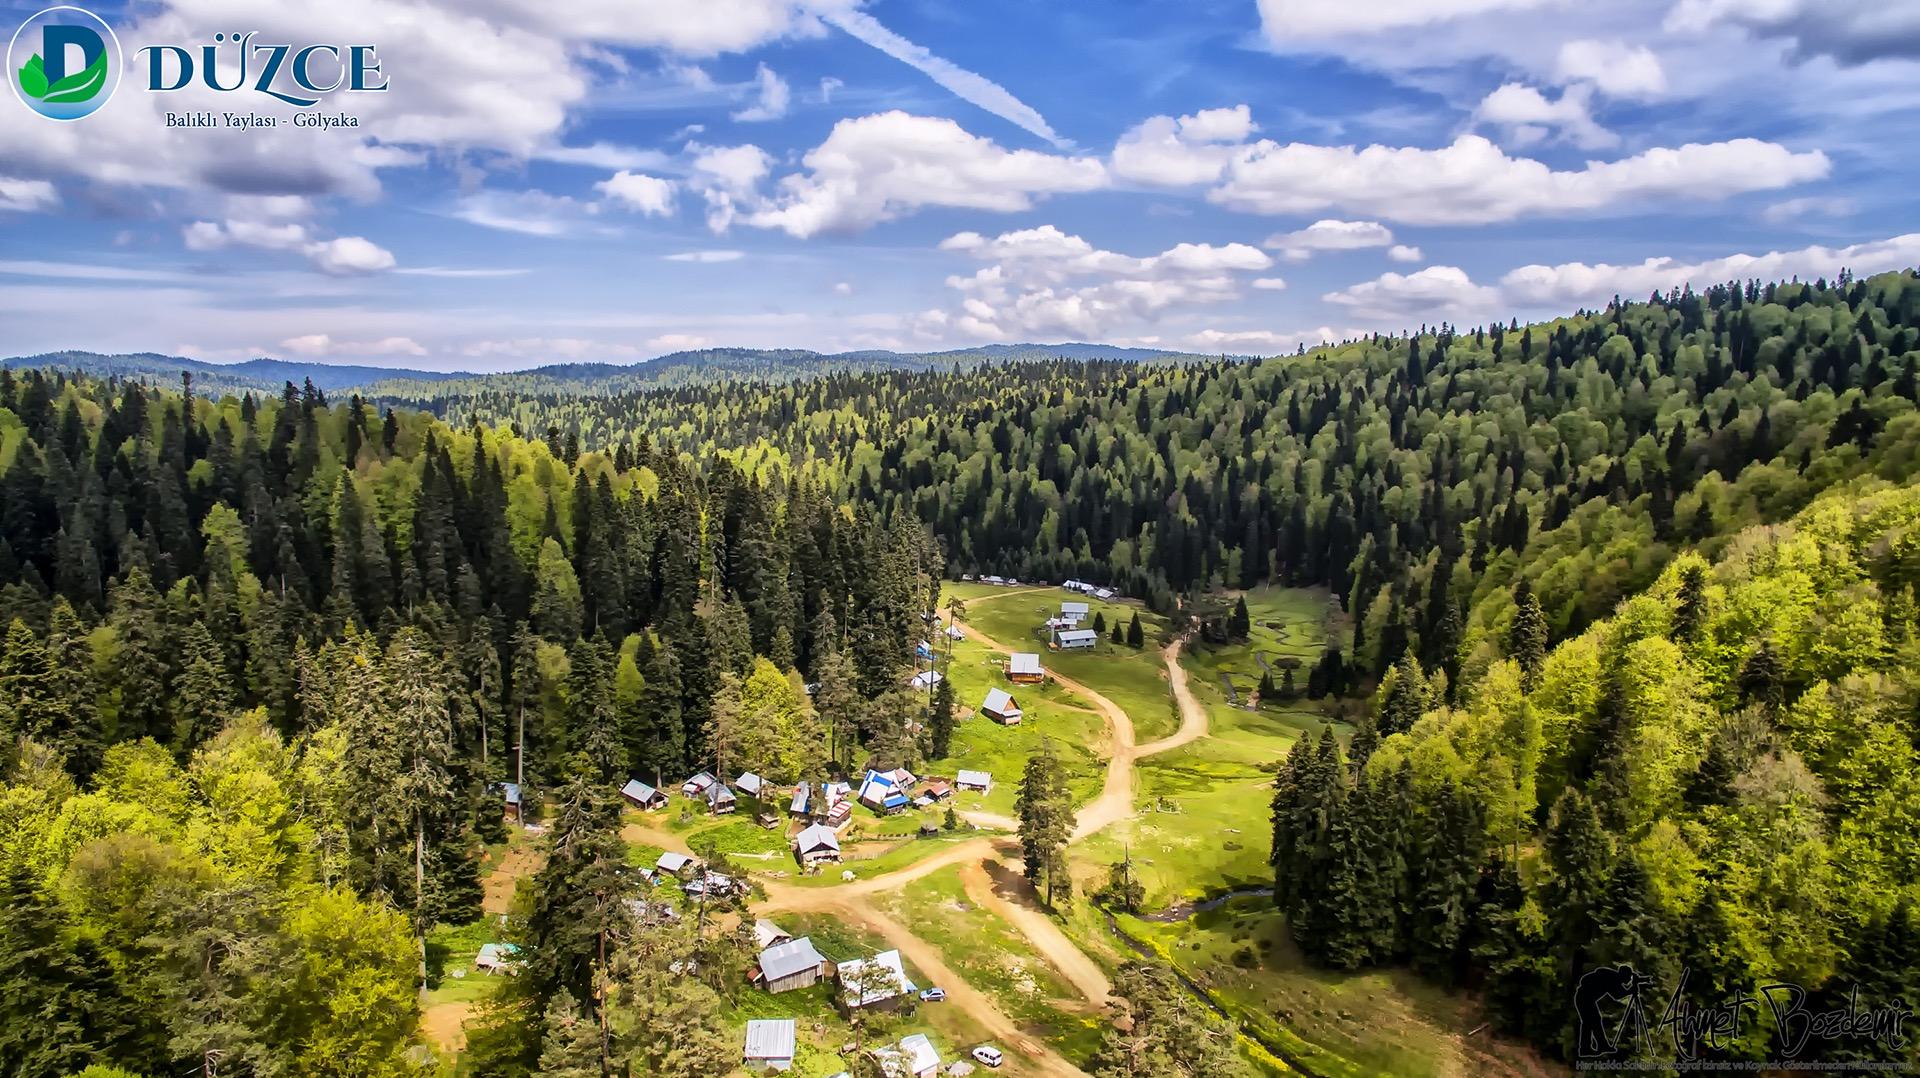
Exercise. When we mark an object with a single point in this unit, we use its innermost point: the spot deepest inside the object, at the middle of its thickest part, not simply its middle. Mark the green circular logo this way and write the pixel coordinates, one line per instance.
(65, 63)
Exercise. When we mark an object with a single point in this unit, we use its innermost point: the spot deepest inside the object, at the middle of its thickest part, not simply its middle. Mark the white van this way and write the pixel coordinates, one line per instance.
(988, 1055)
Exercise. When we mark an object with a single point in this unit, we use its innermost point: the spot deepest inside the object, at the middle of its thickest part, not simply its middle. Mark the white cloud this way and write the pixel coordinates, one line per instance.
(1441, 292)
(606, 155)
(321, 344)
(1526, 116)
(772, 100)
(1270, 284)
(1329, 235)
(1180, 152)
(1472, 181)
(705, 256)
(1572, 284)
(1799, 210)
(1289, 23)
(650, 196)
(1617, 68)
(736, 169)
(349, 255)
(1847, 31)
(1401, 252)
(679, 342)
(1042, 282)
(843, 288)
(529, 212)
(880, 167)
(342, 256)
(828, 85)
(24, 196)
(966, 85)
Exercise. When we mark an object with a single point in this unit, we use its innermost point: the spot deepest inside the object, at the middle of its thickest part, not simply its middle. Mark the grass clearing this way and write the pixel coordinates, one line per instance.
(1342, 1025)
(996, 959)
(980, 744)
(1131, 677)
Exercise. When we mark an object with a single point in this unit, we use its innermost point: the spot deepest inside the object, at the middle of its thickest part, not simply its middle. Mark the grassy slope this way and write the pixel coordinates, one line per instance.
(1130, 678)
(1339, 1024)
(997, 960)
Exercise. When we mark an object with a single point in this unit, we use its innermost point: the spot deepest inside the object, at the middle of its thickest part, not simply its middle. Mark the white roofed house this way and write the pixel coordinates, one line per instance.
(1103, 594)
(1001, 707)
(770, 1044)
(918, 1056)
(640, 795)
(697, 785)
(925, 679)
(1024, 666)
(674, 864)
(802, 802)
(816, 844)
(720, 799)
(880, 981)
(973, 780)
(1075, 612)
(1077, 638)
(786, 966)
(767, 934)
(749, 783)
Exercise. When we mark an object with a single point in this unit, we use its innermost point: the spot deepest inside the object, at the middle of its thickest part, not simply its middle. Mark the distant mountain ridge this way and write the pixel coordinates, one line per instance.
(269, 375)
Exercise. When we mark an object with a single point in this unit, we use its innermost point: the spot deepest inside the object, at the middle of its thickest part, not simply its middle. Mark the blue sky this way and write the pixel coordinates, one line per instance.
(615, 179)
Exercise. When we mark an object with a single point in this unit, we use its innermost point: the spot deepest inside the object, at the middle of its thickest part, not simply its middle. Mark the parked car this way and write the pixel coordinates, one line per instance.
(933, 995)
(988, 1056)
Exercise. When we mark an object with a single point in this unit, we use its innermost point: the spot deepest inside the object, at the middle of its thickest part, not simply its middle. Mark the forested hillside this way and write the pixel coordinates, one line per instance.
(265, 661)
(1720, 778)
(1635, 589)
(1418, 477)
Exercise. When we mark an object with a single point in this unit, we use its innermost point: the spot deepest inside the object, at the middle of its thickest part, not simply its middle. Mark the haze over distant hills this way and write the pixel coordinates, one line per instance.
(268, 375)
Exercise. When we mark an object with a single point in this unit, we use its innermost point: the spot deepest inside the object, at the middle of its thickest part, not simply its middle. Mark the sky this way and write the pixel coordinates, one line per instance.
(611, 180)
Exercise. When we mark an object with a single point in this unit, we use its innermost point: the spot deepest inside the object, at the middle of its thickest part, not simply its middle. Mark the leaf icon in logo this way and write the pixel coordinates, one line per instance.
(81, 85)
(33, 78)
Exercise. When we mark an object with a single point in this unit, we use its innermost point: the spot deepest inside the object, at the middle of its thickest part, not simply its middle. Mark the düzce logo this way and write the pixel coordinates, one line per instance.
(65, 63)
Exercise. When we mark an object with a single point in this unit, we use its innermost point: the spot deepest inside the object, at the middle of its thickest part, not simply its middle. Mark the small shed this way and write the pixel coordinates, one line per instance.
(496, 958)
(973, 780)
(1001, 707)
(786, 966)
(749, 783)
(720, 799)
(770, 1044)
(1103, 594)
(816, 844)
(697, 785)
(880, 981)
(925, 679)
(954, 632)
(1024, 667)
(919, 1057)
(767, 934)
(1078, 638)
(640, 795)
(938, 789)
(674, 864)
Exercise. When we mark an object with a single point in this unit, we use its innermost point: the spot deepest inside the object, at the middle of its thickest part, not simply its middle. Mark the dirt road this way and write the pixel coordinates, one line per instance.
(1005, 1033)
(998, 887)
(1193, 717)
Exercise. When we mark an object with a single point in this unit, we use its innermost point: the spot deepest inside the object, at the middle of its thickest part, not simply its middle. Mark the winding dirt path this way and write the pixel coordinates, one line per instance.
(998, 887)
(989, 873)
